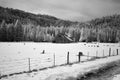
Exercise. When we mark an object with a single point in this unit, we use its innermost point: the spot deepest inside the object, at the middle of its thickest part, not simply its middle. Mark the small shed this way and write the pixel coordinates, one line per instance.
(62, 38)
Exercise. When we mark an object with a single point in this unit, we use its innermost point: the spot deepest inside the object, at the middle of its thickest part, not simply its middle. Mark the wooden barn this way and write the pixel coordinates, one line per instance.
(62, 38)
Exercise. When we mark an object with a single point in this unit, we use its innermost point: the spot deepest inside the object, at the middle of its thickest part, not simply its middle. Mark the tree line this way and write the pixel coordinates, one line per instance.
(17, 25)
(15, 32)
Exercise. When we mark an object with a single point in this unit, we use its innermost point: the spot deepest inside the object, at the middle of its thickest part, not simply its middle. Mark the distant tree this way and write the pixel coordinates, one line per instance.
(3, 32)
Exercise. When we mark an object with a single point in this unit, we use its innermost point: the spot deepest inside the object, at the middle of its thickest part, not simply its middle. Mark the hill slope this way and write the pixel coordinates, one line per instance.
(10, 15)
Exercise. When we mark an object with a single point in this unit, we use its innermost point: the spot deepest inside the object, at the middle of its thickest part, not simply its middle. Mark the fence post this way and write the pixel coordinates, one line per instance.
(68, 58)
(117, 51)
(113, 53)
(29, 64)
(79, 55)
(43, 52)
(54, 59)
(109, 51)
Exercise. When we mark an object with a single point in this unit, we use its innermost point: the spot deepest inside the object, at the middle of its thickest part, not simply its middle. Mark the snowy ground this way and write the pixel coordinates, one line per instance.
(116, 77)
(65, 72)
(30, 49)
(14, 56)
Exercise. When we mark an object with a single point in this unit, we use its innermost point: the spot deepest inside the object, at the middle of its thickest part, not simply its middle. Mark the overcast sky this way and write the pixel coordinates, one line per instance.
(77, 10)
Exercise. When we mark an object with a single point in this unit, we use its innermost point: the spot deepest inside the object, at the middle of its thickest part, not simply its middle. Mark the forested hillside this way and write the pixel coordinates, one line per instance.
(17, 25)
(11, 15)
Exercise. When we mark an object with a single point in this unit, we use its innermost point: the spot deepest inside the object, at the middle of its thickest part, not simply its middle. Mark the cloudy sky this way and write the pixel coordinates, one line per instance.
(76, 10)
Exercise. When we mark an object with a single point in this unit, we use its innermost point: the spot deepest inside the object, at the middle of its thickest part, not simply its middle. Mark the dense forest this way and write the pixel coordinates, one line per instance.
(17, 25)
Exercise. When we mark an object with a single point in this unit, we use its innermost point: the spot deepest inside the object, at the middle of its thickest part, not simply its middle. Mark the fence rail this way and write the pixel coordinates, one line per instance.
(30, 64)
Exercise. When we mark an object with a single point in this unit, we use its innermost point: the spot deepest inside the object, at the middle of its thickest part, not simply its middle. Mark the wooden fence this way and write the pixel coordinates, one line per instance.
(9, 68)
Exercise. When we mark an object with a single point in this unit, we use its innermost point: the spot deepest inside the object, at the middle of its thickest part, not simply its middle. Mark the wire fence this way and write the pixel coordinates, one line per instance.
(17, 66)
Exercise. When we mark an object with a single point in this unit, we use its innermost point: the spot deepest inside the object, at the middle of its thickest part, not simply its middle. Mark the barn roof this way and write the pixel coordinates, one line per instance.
(66, 36)
(63, 37)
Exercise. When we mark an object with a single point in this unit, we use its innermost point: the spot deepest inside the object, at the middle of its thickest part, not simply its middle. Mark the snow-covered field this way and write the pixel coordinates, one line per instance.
(69, 72)
(116, 77)
(14, 57)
